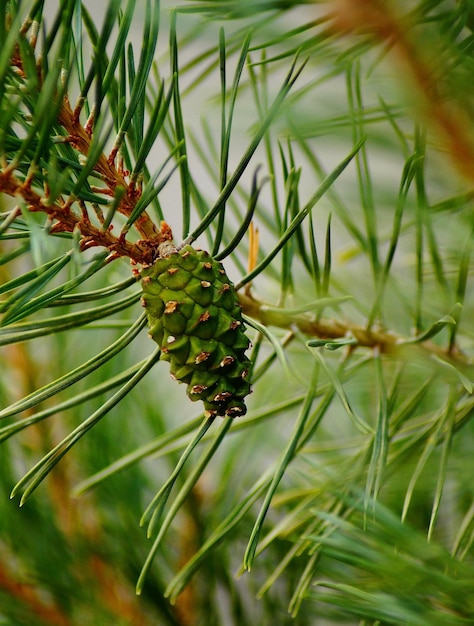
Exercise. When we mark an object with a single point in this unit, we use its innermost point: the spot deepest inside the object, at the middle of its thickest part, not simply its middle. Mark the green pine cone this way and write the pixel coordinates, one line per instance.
(195, 318)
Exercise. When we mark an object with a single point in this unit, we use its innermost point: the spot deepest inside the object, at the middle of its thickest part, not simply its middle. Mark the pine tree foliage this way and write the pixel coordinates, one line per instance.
(323, 153)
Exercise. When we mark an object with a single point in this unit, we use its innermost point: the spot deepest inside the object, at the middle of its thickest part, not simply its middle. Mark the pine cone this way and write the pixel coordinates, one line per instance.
(195, 318)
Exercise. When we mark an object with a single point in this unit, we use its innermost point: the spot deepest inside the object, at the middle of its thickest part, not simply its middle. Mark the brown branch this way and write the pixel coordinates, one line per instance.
(420, 66)
(60, 212)
(64, 219)
(385, 342)
(80, 139)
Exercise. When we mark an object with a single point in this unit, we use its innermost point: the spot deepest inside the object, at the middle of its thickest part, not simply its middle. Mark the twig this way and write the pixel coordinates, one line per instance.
(64, 219)
(449, 117)
(60, 211)
(386, 342)
(80, 139)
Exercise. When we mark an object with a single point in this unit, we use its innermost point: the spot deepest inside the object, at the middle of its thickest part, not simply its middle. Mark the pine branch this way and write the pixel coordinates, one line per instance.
(59, 210)
(80, 138)
(430, 73)
(65, 220)
(336, 332)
